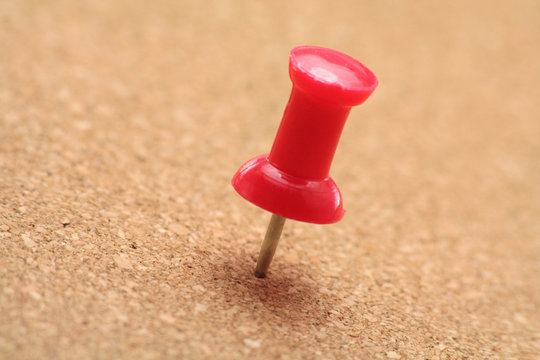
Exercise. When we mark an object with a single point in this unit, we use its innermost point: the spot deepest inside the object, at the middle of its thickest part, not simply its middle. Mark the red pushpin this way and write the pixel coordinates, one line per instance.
(293, 181)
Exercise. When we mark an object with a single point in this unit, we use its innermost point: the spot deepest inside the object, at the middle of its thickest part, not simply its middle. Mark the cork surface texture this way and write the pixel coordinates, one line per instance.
(122, 123)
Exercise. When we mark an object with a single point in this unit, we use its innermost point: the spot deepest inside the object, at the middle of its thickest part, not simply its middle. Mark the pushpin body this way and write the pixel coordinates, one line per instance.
(293, 180)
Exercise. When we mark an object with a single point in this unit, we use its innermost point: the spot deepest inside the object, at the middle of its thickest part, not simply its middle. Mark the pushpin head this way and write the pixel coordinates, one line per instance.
(293, 180)
(330, 76)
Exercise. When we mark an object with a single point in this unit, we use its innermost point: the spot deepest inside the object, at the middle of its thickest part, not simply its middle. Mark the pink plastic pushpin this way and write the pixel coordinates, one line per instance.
(293, 180)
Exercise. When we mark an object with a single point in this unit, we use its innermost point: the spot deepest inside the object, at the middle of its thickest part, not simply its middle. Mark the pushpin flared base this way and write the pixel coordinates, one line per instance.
(313, 201)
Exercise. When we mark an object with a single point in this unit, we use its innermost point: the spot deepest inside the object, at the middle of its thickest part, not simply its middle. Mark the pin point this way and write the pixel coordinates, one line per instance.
(293, 181)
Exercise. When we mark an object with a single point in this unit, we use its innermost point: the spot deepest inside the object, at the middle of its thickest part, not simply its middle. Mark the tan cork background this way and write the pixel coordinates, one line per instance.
(122, 122)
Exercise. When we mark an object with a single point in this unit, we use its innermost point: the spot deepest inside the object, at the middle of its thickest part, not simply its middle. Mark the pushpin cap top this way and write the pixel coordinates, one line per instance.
(330, 75)
(293, 180)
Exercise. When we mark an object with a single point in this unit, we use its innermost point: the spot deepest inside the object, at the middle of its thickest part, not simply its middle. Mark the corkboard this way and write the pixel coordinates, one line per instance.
(122, 123)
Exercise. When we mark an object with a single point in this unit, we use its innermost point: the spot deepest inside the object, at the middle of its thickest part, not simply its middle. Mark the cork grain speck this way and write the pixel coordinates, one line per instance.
(122, 122)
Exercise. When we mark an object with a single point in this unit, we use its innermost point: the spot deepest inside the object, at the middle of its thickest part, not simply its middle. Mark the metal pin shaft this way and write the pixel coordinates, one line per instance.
(269, 245)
